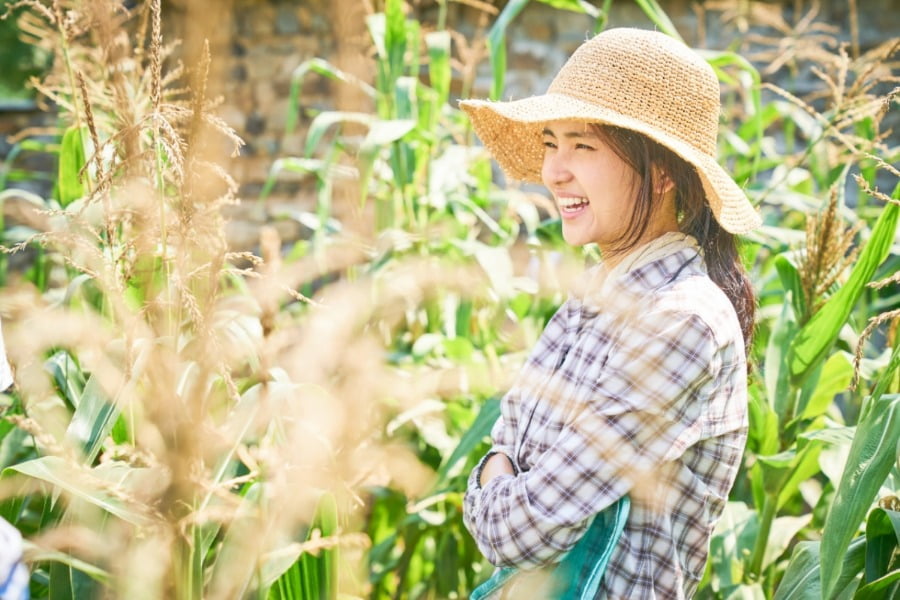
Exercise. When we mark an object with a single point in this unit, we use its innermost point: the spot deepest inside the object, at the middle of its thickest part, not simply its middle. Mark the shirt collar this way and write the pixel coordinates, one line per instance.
(645, 268)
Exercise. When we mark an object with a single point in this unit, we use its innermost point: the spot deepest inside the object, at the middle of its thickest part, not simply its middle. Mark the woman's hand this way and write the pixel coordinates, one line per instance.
(496, 465)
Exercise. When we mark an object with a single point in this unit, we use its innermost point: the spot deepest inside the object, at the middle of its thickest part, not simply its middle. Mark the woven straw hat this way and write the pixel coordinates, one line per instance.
(640, 80)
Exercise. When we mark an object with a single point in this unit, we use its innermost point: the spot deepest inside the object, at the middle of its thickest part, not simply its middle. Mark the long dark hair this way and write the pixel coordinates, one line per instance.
(694, 216)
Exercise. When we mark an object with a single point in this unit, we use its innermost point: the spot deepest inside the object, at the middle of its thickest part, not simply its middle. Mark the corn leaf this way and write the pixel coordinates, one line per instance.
(496, 43)
(802, 579)
(835, 378)
(321, 67)
(325, 120)
(36, 554)
(67, 375)
(93, 420)
(71, 162)
(872, 455)
(579, 6)
(882, 540)
(659, 17)
(439, 74)
(395, 39)
(473, 436)
(778, 390)
(814, 339)
(61, 475)
(885, 587)
(69, 583)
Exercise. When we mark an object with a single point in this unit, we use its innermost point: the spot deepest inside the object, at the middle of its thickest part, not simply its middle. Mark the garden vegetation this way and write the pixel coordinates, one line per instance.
(298, 422)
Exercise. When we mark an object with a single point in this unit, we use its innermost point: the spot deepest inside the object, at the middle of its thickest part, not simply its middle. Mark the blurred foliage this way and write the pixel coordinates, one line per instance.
(189, 422)
(19, 61)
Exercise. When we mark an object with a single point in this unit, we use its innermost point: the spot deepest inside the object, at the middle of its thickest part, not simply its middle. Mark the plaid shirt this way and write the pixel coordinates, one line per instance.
(645, 395)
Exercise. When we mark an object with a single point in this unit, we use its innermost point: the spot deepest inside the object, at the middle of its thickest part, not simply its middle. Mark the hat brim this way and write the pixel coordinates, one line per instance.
(513, 132)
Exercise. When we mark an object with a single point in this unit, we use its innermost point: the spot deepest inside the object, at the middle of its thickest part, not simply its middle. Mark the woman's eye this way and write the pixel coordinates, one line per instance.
(549, 144)
(583, 147)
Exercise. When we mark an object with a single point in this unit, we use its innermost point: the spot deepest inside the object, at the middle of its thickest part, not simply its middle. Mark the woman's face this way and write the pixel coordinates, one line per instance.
(594, 188)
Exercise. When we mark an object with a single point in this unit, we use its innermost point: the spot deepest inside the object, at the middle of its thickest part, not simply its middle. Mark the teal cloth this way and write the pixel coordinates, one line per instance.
(578, 575)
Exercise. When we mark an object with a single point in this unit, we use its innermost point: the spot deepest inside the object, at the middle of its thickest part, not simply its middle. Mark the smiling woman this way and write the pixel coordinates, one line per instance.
(621, 437)
(594, 186)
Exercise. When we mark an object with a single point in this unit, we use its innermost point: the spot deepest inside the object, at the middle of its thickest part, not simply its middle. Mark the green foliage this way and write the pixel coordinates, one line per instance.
(19, 61)
(71, 163)
(164, 414)
(811, 343)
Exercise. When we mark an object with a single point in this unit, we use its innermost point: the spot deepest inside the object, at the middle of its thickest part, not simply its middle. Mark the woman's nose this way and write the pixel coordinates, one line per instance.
(555, 169)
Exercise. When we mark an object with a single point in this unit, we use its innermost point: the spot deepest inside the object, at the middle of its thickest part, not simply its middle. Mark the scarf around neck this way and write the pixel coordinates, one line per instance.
(600, 280)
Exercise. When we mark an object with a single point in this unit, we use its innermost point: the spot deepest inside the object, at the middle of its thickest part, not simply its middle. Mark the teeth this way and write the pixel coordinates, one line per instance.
(571, 202)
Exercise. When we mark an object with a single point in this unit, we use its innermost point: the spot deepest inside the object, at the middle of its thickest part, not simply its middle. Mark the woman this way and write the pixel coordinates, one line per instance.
(637, 387)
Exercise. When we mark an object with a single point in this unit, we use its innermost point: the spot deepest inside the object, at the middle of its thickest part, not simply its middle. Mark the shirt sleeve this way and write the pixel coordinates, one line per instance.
(637, 414)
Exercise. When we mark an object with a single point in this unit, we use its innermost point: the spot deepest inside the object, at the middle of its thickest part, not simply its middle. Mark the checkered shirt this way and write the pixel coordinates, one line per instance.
(640, 392)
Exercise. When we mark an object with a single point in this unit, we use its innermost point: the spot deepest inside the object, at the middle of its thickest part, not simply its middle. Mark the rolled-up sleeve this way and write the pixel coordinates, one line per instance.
(628, 417)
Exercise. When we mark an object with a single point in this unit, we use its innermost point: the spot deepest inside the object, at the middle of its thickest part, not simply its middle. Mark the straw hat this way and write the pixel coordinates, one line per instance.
(640, 80)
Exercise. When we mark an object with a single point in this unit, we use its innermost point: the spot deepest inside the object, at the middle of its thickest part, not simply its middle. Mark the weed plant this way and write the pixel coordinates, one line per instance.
(299, 423)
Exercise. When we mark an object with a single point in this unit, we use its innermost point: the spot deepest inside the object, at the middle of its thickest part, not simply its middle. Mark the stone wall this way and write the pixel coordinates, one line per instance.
(270, 38)
(257, 45)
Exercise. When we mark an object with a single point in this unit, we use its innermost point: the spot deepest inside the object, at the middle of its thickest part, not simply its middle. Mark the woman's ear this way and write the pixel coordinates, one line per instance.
(662, 183)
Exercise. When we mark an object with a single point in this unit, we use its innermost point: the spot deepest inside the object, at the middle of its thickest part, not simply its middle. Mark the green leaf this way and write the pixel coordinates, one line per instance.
(816, 337)
(579, 6)
(788, 274)
(763, 423)
(93, 420)
(752, 591)
(732, 540)
(777, 381)
(68, 376)
(60, 474)
(395, 37)
(71, 162)
(473, 436)
(230, 553)
(717, 60)
(784, 472)
(324, 68)
(68, 583)
(882, 539)
(459, 349)
(322, 169)
(327, 523)
(36, 554)
(324, 120)
(802, 578)
(783, 531)
(439, 72)
(447, 564)
(880, 589)
(14, 445)
(659, 17)
(872, 455)
(835, 378)
(293, 573)
(382, 133)
(496, 43)
(520, 304)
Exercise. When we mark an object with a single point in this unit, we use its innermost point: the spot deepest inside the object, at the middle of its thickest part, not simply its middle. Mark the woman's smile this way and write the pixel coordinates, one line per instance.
(572, 206)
